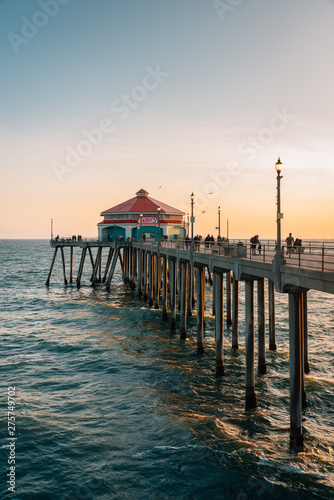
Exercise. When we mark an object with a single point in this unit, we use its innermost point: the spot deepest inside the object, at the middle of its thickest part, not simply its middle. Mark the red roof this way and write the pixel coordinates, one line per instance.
(142, 203)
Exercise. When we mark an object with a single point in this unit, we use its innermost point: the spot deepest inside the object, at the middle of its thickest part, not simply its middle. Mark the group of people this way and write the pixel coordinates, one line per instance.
(255, 241)
(293, 244)
(209, 241)
(73, 238)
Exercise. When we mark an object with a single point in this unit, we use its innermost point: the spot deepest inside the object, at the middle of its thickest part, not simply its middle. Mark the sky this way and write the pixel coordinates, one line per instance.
(100, 98)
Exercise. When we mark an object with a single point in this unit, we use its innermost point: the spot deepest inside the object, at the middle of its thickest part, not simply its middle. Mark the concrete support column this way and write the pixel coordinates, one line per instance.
(71, 266)
(150, 279)
(135, 264)
(218, 281)
(250, 344)
(261, 331)
(305, 328)
(64, 266)
(183, 296)
(110, 254)
(272, 326)
(145, 295)
(200, 292)
(130, 250)
(157, 281)
(97, 267)
(178, 285)
(52, 265)
(133, 268)
(190, 284)
(296, 368)
(172, 286)
(228, 299)
(164, 289)
(302, 334)
(100, 267)
(140, 273)
(125, 267)
(235, 314)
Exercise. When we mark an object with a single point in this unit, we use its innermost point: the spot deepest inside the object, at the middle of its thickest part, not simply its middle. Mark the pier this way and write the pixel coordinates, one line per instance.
(171, 276)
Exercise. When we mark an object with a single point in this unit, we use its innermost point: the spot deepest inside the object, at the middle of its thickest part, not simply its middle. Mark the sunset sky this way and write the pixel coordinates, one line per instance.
(100, 98)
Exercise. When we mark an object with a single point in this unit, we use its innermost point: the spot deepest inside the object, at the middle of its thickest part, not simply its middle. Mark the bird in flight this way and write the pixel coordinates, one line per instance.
(203, 212)
(212, 192)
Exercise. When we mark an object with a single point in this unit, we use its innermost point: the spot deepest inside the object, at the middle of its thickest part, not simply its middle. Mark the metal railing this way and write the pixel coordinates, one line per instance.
(311, 255)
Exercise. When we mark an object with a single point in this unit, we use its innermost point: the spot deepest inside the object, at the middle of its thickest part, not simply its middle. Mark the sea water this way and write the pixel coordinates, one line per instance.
(110, 405)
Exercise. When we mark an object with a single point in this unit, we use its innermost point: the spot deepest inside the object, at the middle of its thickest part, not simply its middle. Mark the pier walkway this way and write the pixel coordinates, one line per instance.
(168, 272)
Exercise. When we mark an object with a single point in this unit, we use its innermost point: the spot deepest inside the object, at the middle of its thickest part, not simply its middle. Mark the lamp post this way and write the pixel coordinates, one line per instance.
(227, 229)
(141, 227)
(115, 228)
(218, 221)
(278, 255)
(51, 229)
(192, 220)
(159, 210)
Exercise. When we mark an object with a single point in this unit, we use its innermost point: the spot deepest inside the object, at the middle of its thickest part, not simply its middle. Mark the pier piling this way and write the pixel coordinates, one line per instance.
(172, 285)
(200, 292)
(235, 314)
(261, 331)
(228, 299)
(250, 342)
(164, 289)
(218, 280)
(52, 266)
(272, 325)
(183, 295)
(295, 341)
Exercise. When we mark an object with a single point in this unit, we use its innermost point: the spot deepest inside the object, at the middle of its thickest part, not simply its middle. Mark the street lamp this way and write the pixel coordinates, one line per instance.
(141, 227)
(115, 228)
(278, 255)
(218, 221)
(51, 229)
(192, 220)
(159, 210)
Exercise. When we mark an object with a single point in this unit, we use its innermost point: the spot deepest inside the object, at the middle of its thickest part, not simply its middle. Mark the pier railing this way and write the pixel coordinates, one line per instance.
(311, 255)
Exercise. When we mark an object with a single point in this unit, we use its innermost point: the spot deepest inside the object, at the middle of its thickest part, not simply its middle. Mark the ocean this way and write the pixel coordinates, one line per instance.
(103, 402)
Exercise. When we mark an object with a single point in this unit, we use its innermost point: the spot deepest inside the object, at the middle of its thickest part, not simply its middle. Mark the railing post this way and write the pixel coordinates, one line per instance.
(323, 259)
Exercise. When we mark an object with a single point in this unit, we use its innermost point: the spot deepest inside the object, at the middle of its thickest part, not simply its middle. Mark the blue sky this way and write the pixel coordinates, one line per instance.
(240, 83)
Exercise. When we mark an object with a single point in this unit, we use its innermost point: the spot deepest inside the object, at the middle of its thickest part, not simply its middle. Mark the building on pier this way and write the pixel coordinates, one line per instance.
(141, 216)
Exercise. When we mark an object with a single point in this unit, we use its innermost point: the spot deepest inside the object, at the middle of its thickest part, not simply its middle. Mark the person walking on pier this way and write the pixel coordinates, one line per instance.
(254, 241)
(289, 241)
